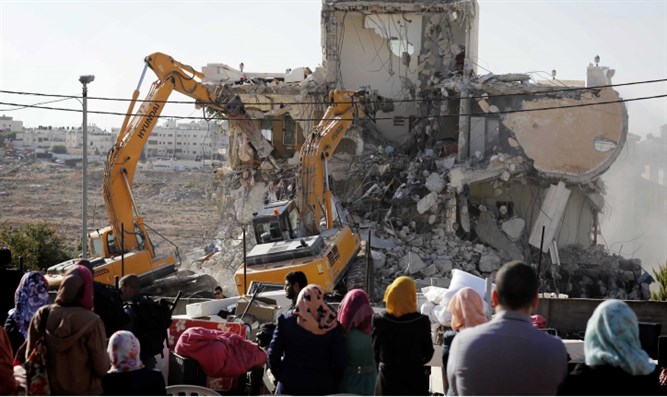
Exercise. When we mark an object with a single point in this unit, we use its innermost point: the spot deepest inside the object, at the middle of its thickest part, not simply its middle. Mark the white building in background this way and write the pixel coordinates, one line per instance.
(99, 140)
(9, 124)
(193, 140)
(41, 139)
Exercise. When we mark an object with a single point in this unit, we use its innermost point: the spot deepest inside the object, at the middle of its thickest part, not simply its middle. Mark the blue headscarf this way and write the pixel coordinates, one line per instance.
(612, 337)
(31, 294)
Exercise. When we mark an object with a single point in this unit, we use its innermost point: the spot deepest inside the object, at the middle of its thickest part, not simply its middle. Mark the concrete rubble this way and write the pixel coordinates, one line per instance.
(470, 171)
(414, 231)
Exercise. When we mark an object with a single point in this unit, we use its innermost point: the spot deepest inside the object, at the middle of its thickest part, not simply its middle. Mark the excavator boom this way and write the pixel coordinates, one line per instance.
(313, 192)
(125, 246)
(323, 254)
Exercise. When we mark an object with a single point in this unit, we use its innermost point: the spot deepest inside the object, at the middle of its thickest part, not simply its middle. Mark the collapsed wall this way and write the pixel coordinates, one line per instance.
(423, 224)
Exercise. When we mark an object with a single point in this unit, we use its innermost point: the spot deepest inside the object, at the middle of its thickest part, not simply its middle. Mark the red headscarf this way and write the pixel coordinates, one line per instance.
(538, 321)
(355, 311)
(76, 288)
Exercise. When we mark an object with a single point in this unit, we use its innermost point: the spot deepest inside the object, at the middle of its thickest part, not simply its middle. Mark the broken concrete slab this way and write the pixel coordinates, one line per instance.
(412, 263)
(444, 266)
(435, 182)
(489, 263)
(379, 258)
(550, 216)
(430, 270)
(427, 202)
(488, 231)
(377, 242)
(513, 228)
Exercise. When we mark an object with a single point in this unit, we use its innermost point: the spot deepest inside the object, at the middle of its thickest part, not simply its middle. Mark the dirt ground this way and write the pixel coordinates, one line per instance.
(178, 205)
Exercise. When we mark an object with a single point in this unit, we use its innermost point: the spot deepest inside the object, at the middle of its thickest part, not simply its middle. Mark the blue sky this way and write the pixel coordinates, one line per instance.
(46, 45)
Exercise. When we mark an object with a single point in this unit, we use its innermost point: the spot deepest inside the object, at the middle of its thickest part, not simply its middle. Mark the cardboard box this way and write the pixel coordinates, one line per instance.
(263, 309)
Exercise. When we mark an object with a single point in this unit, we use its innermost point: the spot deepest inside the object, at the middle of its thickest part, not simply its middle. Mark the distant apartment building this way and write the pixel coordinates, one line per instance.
(186, 141)
(99, 140)
(41, 139)
(8, 124)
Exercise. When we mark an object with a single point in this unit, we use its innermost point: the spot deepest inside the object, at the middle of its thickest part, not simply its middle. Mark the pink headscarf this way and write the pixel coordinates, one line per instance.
(467, 309)
(124, 350)
(312, 313)
(78, 277)
(355, 311)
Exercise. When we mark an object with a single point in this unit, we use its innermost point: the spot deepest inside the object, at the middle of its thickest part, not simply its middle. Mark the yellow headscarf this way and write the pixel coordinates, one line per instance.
(401, 297)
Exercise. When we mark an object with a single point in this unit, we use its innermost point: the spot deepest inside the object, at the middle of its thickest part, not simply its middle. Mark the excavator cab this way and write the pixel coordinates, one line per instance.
(277, 221)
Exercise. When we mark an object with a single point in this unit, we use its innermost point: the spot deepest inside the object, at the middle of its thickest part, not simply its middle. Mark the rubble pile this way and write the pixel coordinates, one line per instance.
(411, 205)
(411, 208)
(593, 272)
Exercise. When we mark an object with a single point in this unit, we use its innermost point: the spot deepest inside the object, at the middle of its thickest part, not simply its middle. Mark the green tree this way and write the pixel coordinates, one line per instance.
(661, 277)
(39, 244)
(59, 149)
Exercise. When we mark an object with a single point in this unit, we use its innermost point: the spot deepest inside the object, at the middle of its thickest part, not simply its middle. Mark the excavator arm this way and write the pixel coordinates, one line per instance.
(126, 223)
(326, 257)
(313, 191)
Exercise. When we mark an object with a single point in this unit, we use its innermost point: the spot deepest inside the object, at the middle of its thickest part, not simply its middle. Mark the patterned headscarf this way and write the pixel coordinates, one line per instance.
(467, 309)
(612, 337)
(31, 294)
(70, 293)
(124, 351)
(401, 297)
(312, 313)
(355, 311)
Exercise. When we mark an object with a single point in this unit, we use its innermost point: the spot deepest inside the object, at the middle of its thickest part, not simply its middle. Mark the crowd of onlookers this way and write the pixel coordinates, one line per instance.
(63, 349)
(317, 349)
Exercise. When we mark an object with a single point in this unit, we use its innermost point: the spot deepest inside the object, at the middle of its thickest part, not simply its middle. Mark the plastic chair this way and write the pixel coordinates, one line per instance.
(190, 390)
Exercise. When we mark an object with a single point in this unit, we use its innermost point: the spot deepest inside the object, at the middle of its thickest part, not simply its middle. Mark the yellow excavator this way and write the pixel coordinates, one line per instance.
(309, 233)
(124, 247)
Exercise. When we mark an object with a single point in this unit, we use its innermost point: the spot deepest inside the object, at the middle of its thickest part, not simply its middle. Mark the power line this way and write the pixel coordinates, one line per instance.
(485, 96)
(352, 119)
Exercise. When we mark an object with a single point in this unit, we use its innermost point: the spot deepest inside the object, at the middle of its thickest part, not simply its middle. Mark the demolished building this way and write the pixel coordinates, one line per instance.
(455, 170)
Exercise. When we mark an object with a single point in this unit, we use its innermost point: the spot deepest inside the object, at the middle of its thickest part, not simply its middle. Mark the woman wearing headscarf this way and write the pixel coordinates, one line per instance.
(31, 294)
(128, 376)
(402, 342)
(75, 339)
(467, 310)
(615, 362)
(355, 315)
(307, 352)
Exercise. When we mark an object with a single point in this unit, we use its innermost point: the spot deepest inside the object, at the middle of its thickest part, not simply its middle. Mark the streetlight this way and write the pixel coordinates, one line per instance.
(85, 80)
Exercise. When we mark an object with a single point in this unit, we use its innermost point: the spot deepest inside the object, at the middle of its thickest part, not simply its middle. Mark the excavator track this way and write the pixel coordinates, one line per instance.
(357, 275)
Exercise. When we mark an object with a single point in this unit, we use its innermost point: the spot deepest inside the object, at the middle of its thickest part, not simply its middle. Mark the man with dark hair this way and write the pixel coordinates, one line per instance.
(508, 356)
(294, 283)
(218, 293)
(140, 322)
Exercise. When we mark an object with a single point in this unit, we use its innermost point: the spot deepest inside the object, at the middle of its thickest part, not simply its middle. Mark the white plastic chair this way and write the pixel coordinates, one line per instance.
(190, 390)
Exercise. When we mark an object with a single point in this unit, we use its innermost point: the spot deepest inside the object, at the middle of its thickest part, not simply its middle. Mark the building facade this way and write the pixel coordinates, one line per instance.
(194, 140)
(8, 124)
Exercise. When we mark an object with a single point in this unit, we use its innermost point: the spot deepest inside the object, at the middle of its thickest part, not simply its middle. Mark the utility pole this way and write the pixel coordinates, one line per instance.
(85, 80)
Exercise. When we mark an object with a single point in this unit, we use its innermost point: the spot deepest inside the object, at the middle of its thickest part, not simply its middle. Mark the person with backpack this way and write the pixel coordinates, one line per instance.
(108, 303)
(147, 320)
